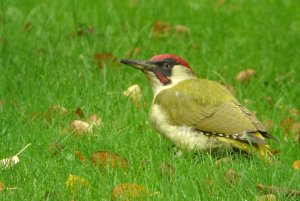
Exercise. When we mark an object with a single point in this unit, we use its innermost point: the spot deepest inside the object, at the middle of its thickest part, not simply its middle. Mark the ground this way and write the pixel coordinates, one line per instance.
(66, 53)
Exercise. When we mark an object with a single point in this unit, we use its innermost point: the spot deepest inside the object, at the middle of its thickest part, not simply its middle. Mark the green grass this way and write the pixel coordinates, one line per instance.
(47, 65)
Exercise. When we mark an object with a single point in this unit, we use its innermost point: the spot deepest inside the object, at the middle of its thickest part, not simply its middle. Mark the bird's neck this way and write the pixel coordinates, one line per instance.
(157, 86)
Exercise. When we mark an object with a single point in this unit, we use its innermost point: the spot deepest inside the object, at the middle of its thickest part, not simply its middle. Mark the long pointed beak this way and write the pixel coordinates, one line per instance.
(142, 65)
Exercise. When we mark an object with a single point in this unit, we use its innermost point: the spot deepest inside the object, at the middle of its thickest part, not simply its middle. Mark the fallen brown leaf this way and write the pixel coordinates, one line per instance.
(268, 197)
(79, 155)
(210, 184)
(56, 111)
(181, 29)
(75, 183)
(160, 29)
(166, 169)
(95, 120)
(129, 191)
(278, 190)
(245, 75)
(287, 123)
(269, 124)
(232, 176)
(79, 113)
(296, 131)
(294, 112)
(2, 186)
(286, 126)
(106, 159)
(296, 165)
(80, 127)
(104, 58)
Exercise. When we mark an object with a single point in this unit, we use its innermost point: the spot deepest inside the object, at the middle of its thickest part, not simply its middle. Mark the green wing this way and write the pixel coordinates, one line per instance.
(207, 106)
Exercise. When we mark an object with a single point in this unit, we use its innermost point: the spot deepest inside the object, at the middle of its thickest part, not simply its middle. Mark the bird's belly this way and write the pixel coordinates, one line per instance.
(182, 136)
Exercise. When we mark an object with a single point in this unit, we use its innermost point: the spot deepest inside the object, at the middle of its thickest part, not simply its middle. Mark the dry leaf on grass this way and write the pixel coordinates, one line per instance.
(11, 161)
(102, 59)
(75, 183)
(106, 159)
(129, 191)
(269, 124)
(134, 93)
(287, 123)
(278, 190)
(268, 197)
(210, 184)
(95, 120)
(79, 155)
(296, 131)
(245, 75)
(160, 29)
(79, 113)
(2, 186)
(181, 29)
(294, 112)
(296, 165)
(56, 110)
(231, 176)
(166, 169)
(291, 128)
(80, 127)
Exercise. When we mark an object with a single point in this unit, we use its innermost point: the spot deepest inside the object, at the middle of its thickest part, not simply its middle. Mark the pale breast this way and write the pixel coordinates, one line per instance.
(182, 136)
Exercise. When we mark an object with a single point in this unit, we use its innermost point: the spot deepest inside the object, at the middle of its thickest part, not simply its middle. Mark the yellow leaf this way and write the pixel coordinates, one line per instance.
(2, 186)
(109, 160)
(74, 183)
(296, 165)
(129, 191)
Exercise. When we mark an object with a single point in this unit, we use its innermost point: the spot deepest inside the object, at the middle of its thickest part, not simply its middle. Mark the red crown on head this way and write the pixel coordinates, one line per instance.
(170, 56)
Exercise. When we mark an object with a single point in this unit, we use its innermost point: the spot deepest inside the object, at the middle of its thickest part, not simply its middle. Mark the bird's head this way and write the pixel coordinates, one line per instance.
(163, 71)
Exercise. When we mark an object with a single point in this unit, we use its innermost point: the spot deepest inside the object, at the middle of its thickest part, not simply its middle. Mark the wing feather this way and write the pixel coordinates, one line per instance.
(209, 106)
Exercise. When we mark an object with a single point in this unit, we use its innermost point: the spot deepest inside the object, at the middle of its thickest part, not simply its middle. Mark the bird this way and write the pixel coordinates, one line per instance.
(198, 114)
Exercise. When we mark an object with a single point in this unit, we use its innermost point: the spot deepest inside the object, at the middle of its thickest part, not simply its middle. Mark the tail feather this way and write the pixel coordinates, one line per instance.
(263, 151)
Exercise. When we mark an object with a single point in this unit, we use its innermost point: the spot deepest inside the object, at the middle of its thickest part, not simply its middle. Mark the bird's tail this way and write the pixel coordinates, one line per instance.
(263, 151)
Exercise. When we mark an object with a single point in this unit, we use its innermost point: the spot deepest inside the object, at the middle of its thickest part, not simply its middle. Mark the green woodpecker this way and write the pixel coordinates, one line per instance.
(198, 114)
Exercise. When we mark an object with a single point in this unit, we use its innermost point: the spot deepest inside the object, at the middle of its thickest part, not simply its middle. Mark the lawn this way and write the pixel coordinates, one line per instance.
(66, 53)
